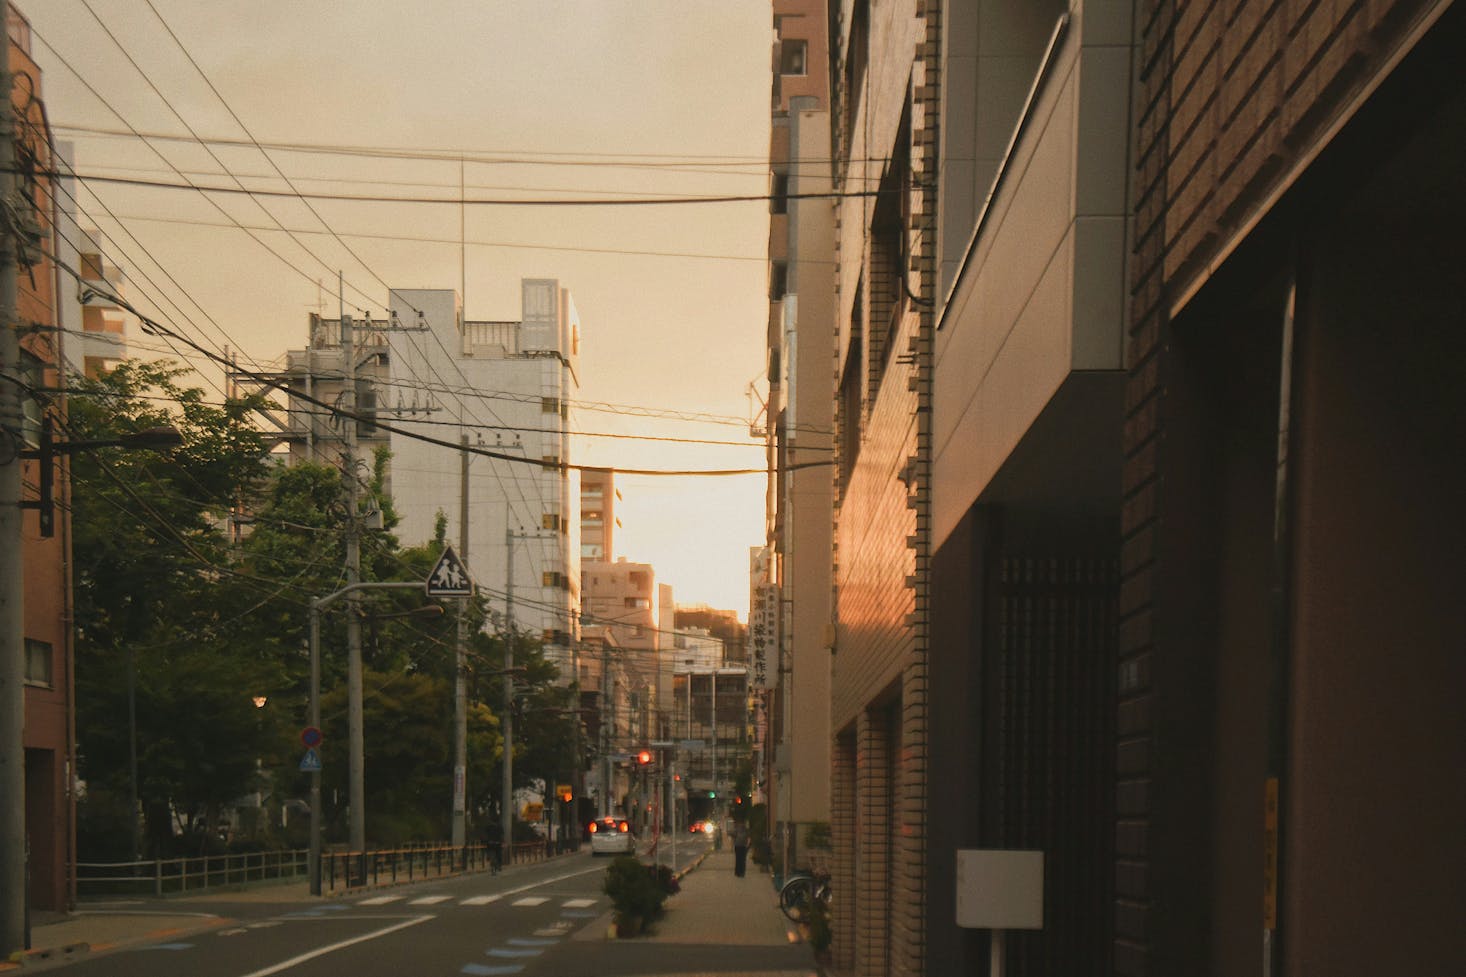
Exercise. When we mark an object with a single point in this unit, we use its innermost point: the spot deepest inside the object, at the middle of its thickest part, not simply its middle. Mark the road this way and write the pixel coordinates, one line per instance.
(540, 919)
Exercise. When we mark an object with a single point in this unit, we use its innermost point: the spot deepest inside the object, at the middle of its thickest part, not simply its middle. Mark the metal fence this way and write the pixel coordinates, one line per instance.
(340, 870)
(385, 866)
(199, 873)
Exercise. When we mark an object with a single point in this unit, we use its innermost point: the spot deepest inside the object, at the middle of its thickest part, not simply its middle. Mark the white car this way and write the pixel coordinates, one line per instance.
(612, 835)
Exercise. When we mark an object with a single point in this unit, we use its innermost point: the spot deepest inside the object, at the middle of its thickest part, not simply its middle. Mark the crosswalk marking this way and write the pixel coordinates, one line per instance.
(532, 901)
(512, 954)
(379, 900)
(429, 900)
(479, 900)
(479, 970)
(579, 903)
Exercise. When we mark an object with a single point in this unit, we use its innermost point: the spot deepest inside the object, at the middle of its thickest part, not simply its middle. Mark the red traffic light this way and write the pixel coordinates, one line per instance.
(645, 756)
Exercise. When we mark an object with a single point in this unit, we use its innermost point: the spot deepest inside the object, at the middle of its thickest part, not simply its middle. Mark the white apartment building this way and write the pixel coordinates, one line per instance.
(504, 389)
(94, 327)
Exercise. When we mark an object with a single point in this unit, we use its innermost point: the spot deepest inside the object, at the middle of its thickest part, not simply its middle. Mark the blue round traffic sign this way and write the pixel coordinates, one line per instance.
(311, 737)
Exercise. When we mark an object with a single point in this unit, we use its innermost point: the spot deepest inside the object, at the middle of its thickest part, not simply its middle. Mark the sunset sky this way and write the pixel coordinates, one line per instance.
(587, 99)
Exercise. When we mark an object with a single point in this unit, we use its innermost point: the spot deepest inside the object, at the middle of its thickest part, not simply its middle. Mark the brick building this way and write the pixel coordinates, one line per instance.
(881, 138)
(1290, 792)
(47, 715)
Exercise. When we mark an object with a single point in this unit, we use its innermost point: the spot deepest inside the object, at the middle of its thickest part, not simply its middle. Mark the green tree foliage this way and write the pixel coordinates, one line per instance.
(194, 574)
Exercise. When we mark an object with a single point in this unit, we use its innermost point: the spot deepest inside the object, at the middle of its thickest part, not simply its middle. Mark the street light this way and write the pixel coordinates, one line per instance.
(355, 777)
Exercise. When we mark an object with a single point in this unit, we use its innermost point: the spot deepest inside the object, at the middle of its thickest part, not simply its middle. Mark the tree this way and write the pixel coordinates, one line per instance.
(149, 554)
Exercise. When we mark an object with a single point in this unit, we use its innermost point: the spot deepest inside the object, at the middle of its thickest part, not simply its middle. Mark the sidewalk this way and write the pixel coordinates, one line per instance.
(714, 909)
(717, 909)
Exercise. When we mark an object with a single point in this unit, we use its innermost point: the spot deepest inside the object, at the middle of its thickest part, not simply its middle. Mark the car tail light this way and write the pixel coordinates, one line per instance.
(592, 827)
(625, 827)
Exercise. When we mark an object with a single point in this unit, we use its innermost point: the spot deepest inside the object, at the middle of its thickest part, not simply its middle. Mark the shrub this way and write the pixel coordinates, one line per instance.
(665, 879)
(634, 891)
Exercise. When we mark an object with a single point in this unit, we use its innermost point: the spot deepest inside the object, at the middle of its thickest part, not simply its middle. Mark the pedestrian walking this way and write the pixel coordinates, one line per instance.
(740, 847)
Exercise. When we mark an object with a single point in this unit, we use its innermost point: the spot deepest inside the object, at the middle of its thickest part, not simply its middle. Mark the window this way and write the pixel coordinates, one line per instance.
(549, 405)
(637, 603)
(792, 57)
(38, 663)
(778, 280)
(779, 193)
(550, 520)
(33, 373)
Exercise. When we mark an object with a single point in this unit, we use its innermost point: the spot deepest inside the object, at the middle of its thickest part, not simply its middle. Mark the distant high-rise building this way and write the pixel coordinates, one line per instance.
(94, 323)
(598, 497)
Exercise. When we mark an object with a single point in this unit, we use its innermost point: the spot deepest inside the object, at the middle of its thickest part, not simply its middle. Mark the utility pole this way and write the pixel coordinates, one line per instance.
(12, 561)
(460, 678)
(355, 719)
(506, 806)
(606, 717)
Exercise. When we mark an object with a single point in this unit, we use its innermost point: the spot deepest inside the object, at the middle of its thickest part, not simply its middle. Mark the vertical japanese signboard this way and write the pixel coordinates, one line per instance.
(763, 638)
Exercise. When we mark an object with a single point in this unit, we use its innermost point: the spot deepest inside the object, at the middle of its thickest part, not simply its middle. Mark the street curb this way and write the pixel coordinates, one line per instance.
(69, 953)
(21, 959)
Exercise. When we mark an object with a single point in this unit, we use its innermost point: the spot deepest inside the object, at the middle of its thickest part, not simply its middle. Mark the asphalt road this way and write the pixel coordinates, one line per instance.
(523, 922)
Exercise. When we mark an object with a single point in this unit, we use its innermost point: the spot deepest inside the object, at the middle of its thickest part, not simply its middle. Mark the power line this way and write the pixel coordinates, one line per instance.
(513, 156)
(480, 201)
(158, 328)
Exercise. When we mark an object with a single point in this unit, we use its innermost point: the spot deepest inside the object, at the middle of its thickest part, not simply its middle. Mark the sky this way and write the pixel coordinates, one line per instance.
(555, 99)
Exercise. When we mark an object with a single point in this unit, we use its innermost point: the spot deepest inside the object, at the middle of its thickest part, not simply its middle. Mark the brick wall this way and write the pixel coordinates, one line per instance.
(1233, 99)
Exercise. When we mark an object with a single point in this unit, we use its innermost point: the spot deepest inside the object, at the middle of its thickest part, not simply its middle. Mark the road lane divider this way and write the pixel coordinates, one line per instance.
(333, 947)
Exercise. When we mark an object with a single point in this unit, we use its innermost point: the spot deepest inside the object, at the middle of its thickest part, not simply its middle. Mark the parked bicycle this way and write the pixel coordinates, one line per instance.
(802, 891)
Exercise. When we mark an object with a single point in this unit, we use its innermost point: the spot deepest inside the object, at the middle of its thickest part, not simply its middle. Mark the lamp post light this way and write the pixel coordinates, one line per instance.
(356, 771)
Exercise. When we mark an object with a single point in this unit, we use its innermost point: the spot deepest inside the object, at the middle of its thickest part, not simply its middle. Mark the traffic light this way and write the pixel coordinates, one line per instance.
(712, 795)
(644, 757)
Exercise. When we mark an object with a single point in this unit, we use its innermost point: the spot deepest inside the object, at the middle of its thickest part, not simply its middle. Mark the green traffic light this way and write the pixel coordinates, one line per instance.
(712, 793)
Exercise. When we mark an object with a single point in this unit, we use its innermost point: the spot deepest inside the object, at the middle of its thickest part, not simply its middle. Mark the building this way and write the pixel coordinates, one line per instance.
(95, 327)
(39, 750)
(624, 598)
(882, 139)
(1291, 740)
(509, 387)
(598, 524)
(796, 562)
(1027, 397)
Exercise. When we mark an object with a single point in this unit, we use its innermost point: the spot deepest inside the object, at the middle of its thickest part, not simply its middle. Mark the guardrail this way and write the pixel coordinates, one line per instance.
(340, 870)
(197, 873)
(385, 866)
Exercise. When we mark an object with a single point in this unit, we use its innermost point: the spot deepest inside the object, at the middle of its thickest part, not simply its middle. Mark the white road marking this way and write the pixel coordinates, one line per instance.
(322, 951)
(379, 900)
(479, 900)
(578, 903)
(429, 900)
(532, 901)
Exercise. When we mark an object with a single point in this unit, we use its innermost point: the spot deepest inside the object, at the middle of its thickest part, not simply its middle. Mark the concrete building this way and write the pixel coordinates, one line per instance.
(1290, 792)
(1032, 104)
(504, 386)
(794, 706)
(598, 525)
(624, 597)
(95, 326)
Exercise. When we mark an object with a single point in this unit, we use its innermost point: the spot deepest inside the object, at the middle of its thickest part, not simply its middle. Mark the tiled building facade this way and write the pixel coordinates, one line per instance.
(1291, 743)
(1148, 404)
(882, 136)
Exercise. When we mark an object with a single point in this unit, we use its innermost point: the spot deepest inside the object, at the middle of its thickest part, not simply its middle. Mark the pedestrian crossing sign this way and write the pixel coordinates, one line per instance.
(449, 577)
(311, 762)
